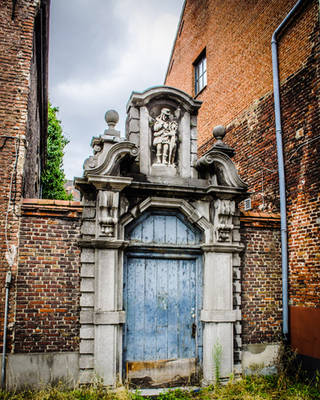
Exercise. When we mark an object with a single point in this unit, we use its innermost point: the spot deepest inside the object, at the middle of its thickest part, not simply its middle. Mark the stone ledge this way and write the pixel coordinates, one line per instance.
(52, 202)
(221, 247)
(109, 317)
(260, 219)
(220, 315)
(51, 208)
(102, 243)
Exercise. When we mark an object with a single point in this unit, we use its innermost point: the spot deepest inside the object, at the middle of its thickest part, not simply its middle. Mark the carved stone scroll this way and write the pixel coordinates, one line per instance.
(223, 213)
(108, 212)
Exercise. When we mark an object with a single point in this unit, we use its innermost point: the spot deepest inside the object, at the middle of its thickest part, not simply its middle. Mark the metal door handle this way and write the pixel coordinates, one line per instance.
(193, 330)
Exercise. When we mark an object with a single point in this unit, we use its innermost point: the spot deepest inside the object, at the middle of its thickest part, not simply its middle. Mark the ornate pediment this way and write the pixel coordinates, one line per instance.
(109, 150)
(162, 121)
(217, 166)
(107, 162)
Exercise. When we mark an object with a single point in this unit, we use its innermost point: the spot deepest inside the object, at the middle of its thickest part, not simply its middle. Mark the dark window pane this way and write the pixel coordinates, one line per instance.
(200, 74)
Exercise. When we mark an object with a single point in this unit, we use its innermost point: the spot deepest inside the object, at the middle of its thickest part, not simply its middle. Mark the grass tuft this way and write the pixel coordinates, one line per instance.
(255, 387)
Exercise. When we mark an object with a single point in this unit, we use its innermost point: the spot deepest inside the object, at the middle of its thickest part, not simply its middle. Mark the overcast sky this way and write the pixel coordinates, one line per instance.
(101, 51)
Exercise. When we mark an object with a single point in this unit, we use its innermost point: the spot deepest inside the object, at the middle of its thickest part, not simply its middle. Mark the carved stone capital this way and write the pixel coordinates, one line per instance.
(222, 219)
(114, 183)
(108, 203)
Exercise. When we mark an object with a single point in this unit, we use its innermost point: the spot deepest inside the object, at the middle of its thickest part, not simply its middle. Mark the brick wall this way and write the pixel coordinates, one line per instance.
(48, 280)
(16, 31)
(237, 38)
(252, 134)
(47, 311)
(239, 94)
(261, 278)
(250, 128)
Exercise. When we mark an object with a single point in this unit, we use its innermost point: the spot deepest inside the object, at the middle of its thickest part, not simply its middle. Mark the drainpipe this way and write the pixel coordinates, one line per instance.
(281, 172)
(3, 369)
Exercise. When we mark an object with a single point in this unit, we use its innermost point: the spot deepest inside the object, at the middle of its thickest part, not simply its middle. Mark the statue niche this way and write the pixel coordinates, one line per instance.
(165, 137)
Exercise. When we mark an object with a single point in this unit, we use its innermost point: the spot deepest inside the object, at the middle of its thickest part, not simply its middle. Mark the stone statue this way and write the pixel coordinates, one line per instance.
(165, 137)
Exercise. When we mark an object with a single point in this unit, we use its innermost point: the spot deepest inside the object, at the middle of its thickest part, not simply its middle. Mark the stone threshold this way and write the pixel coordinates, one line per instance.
(153, 392)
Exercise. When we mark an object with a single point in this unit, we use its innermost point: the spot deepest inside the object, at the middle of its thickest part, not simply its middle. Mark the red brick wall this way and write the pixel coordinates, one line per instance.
(261, 278)
(15, 57)
(252, 135)
(48, 281)
(47, 311)
(239, 95)
(237, 37)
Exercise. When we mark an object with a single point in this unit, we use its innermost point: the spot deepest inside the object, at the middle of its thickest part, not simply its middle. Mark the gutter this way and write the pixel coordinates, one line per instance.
(281, 170)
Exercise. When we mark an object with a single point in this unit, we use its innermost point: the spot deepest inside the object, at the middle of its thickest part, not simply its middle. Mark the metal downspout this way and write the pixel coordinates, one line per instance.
(4, 345)
(281, 172)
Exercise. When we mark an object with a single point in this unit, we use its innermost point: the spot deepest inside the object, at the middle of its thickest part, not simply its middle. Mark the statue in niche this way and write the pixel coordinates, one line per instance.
(165, 130)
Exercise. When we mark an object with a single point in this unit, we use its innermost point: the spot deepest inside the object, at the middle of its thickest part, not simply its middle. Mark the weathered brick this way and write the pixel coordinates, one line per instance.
(239, 95)
(48, 280)
(15, 61)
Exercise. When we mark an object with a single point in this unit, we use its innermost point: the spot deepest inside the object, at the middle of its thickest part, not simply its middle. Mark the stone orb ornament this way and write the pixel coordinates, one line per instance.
(112, 118)
(219, 132)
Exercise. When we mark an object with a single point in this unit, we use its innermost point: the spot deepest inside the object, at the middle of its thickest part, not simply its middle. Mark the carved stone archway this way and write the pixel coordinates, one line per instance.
(156, 168)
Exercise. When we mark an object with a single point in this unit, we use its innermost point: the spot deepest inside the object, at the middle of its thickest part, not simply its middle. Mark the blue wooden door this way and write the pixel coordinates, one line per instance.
(162, 296)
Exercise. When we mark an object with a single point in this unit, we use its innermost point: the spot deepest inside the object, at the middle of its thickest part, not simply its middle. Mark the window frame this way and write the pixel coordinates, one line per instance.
(200, 72)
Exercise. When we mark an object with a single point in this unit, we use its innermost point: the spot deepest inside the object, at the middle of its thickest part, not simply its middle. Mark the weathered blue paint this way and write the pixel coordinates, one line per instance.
(162, 291)
(169, 228)
(162, 303)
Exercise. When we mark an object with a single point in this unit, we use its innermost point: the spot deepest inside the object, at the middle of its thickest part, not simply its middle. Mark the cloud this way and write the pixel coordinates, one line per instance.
(102, 51)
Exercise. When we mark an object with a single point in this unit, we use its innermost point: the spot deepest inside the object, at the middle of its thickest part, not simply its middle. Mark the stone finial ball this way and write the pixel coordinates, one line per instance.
(112, 118)
(219, 132)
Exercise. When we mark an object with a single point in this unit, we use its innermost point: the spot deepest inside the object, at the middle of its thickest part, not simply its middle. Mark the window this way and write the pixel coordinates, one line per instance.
(200, 73)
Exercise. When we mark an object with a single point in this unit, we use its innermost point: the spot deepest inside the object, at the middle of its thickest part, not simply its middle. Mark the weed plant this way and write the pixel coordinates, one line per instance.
(217, 355)
(253, 387)
(291, 383)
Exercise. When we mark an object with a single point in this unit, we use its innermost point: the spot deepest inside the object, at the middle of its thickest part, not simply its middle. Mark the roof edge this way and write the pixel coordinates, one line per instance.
(175, 39)
(144, 97)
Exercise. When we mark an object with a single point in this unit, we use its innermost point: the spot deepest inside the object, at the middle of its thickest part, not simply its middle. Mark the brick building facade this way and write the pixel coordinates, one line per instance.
(23, 116)
(236, 40)
(49, 285)
(48, 281)
(23, 109)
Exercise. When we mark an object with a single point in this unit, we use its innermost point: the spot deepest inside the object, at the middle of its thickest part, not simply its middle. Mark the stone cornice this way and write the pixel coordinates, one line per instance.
(51, 208)
(103, 182)
(141, 99)
(223, 247)
(104, 243)
(260, 219)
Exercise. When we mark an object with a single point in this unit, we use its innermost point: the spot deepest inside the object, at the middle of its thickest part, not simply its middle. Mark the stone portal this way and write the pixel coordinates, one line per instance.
(160, 241)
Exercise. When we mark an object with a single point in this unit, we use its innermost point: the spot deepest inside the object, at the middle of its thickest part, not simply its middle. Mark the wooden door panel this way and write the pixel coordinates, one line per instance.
(160, 301)
(163, 229)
